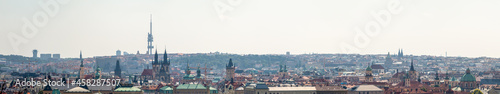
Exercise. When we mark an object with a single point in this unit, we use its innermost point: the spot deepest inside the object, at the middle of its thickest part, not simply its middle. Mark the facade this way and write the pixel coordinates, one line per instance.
(330, 90)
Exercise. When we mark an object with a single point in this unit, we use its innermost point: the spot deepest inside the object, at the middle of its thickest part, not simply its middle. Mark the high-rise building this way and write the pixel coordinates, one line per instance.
(45, 56)
(56, 56)
(35, 53)
(118, 53)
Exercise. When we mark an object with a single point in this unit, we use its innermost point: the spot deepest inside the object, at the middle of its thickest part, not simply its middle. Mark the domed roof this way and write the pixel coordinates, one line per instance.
(369, 68)
(468, 77)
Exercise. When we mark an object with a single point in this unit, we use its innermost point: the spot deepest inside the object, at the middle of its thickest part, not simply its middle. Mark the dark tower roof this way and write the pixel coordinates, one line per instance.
(388, 55)
(411, 66)
(281, 68)
(284, 69)
(446, 78)
(188, 70)
(117, 65)
(198, 72)
(402, 52)
(156, 58)
(47, 88)
(437, 76)
(165, 58)
(230, 65)
(81, 59)
(399, 52)
(118, 69)
(369, 68)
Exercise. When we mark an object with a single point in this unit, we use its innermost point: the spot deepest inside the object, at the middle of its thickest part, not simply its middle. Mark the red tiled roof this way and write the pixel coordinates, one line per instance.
(88, 76)
(147, 72)
(399, 74)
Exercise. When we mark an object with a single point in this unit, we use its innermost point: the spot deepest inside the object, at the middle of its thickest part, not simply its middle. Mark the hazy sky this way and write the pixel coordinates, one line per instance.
(100, 27)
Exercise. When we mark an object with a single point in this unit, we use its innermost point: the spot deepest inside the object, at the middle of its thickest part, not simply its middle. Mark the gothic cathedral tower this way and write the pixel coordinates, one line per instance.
(156, 65)
(81, 67)
(230, 70)
(164, 70)
(368, 74)
(412, 73)
(388, 60)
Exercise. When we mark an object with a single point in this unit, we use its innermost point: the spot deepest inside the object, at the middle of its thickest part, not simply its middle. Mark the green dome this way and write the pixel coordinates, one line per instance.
(468, 77)
(369, 68)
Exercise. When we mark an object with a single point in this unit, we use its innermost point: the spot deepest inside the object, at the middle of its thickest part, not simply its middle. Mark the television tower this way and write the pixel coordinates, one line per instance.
(150, 35)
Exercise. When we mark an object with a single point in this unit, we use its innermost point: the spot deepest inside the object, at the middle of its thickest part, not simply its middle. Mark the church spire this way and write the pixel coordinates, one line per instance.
(81, 59)
(156, 57)
(437, 76)
(118, 70)
(230, 64)
(165, 57)
(188, 70)
(446, 78)
(411, 66)
(467, 71)
(198, 72)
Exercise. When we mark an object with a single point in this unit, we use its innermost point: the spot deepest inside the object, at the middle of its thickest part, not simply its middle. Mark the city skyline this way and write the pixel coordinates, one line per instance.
(459, 28)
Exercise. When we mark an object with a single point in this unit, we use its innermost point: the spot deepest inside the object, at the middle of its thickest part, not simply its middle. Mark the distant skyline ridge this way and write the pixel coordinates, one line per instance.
(99, 28)
(291, 53)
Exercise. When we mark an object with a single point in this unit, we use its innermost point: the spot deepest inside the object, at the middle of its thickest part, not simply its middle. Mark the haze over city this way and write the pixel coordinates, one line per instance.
(99, 28)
